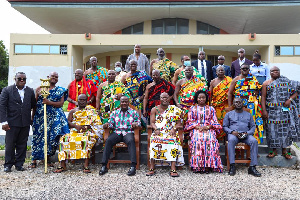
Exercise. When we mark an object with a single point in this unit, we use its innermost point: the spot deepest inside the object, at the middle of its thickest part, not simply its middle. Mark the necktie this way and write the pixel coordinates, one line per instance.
(202, 69)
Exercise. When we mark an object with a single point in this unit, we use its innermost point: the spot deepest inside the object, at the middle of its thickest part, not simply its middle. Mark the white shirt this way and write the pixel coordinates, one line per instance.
(241, 61)
(200, 67)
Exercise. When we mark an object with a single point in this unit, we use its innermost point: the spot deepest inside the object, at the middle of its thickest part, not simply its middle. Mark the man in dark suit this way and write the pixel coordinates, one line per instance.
(236, 65)
(16, 102)
(204, 67)
(221, 60)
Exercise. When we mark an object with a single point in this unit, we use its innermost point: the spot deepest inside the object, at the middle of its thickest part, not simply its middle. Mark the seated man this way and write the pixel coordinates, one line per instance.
(85, 127)
(122, 121)
(164, 142)
(239, 127)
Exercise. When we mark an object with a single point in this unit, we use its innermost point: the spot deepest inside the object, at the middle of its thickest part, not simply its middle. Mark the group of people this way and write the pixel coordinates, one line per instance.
(241, 102)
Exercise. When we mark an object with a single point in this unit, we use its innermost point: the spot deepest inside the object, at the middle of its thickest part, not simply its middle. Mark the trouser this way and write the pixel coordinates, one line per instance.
(249, 140)
(114, 139)
(16, 146)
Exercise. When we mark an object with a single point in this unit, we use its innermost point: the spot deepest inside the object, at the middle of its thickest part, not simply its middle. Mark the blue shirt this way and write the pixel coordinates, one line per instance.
(261, 72)
(240, 122)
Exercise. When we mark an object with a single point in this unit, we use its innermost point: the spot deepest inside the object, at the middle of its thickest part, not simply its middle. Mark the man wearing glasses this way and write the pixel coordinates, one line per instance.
(236, 65)
(221, 60)
(16, 102)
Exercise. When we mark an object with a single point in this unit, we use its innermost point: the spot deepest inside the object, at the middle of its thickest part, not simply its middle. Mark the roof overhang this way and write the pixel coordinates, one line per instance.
(102, 17)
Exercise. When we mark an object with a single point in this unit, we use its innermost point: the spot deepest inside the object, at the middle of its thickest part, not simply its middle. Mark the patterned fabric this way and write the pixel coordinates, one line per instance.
(165, 147)
(78, 145)
(196, 74)
(166, 68)
(84, 86)
(282, 127)
(156, 90)
(136, 85)
(204, 146)
(108, 102)
(121, 121)
(219, 101)
(57, 124)
(98, 76)
(248, 89)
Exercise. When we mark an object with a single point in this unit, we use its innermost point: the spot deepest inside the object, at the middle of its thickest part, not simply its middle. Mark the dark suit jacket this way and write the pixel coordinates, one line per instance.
(236, 68)
(13, 110)
(226, 68)
(208, 72)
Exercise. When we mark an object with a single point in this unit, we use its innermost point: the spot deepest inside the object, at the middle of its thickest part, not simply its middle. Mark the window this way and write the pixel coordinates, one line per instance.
(134, 29)
(170, 26)
(203, 28)
(287, 50)
(213, 59)
(40, 49)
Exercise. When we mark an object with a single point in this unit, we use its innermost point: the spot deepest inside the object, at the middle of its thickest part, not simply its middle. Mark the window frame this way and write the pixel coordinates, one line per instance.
(49, 47)
(176, 26)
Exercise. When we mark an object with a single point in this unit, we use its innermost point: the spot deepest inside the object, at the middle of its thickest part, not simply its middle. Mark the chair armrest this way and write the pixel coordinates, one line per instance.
(106, 134)
(137, 134)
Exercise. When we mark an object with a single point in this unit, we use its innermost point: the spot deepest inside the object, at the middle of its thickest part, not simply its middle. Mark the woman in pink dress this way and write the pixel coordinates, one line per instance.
(203, 127)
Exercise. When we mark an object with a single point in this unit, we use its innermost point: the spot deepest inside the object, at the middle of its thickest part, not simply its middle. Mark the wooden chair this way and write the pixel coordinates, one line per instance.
(150, 131)
(122, 144)
(240, 148)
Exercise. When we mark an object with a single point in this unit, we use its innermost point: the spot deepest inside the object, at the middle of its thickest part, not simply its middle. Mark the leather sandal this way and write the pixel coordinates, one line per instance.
(271, 154)
(86, 170)
(151, 172)
(60, 170)
(173, 173)
(287, 155)
(32, 165)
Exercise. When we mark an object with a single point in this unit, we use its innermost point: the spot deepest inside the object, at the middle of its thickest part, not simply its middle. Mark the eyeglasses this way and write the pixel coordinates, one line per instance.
(240, 52)
(21, 79)
(245, 69)
(221, 59)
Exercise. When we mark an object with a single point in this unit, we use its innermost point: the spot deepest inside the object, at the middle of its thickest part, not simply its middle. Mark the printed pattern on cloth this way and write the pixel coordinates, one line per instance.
(166, 68)
(98, 76)
(196, 73)
(165, 148)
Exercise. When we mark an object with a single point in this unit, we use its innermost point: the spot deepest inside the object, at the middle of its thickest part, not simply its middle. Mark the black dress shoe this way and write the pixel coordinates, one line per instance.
(20, 168)
(232, 170)
(7, 169)
(103, 170)
(131, 171)
(252, 170)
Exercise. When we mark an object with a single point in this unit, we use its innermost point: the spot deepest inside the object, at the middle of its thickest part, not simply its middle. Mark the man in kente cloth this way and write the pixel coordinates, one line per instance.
(96, 73)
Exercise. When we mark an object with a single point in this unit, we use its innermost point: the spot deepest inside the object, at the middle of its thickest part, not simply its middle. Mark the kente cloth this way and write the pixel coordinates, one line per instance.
(181, 75)
(78, 145)
(108, 102)
(136, 85)
(84, 86)
(98, 76)
(165, 148)
(187, 92)
(204, 146)
(57, 124)
(248, 89)
(155, 91)
(166, 68)
(282, 126)
(219, 101)
(119, 77)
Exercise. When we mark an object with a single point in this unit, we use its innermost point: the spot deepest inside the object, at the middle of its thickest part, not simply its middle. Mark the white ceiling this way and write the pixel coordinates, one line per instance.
(106, 19)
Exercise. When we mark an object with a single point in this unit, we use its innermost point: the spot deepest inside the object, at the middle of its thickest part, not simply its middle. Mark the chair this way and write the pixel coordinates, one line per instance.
(240, 148)
(150, 131)
(122, 144)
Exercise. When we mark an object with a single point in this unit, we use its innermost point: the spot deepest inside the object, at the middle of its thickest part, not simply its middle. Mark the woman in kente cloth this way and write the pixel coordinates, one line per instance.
(246, 87)
(203, 127)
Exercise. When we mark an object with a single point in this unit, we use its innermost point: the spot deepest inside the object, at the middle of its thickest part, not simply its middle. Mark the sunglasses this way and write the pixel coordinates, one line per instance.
(221, 59)
(240, 52)
(245, 69)
(21, 79)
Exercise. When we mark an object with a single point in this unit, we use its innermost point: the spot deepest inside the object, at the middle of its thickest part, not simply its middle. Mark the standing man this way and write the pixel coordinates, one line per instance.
(81, 85)
(140, 58)
(221, 60)
(204, 67)
(96, 73)
(237, 64)
(16, 102)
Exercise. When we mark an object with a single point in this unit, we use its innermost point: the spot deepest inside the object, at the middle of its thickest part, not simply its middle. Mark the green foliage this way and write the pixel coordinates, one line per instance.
(3, 65)
(2, 147)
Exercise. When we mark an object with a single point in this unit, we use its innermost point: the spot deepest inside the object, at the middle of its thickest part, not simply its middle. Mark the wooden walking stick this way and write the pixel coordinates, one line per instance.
(45, 85)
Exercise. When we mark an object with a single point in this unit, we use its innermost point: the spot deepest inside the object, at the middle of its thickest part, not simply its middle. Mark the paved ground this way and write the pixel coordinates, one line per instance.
(275, 183)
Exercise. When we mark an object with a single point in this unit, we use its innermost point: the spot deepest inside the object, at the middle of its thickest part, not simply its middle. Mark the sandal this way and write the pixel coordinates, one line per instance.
(174, 173)
(271, 154)
(60, 170)
(151, 172)
(32, 165)
(287, 155)
(50, 164)
(86, 170)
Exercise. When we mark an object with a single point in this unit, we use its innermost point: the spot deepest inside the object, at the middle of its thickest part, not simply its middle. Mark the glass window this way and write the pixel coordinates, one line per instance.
(297, 50)
(277, 50)
(40, 48)
(54, 49)
(158, 26)
(127, 30)
(213, 30)
(286, 50)
(21, 48)
(138, 28)
(182, 26)
(170, 26)
(202, 28)
(63, 49)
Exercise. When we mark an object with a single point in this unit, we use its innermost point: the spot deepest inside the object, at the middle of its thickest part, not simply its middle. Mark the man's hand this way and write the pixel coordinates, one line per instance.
(287, 103)
(199, 128)
(134, 125)
(145, 114)
(242, 135)
(78, 127)
(5, 127)
(76, 103)
(265, 114)
(46, 101)
(178, 105)
(235, 133)
(105, 125)
(172, 132)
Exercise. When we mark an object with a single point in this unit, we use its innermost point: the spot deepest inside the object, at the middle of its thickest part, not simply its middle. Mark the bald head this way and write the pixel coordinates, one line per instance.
(275, 72)
(78, 74)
